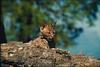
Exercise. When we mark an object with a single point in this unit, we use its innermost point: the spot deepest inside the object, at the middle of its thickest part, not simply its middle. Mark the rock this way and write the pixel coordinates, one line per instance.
(41, 57)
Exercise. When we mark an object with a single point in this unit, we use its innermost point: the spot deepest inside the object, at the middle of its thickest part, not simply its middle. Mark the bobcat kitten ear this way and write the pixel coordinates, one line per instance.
(53, 25)
(42, 27)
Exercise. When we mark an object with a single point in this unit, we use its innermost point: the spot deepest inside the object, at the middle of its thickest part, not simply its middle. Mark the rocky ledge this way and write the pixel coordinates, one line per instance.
(18, 54)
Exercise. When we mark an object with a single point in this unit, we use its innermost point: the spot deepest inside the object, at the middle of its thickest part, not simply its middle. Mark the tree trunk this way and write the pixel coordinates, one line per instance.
(2, 30)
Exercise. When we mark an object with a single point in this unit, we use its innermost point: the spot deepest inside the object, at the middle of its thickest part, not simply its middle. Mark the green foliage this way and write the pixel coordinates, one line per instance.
(28, 15)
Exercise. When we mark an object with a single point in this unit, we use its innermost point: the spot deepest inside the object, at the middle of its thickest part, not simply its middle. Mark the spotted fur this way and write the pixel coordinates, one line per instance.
(46, 37)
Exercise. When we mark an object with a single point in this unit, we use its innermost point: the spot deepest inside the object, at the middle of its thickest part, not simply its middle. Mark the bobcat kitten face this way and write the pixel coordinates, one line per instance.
(48, 31)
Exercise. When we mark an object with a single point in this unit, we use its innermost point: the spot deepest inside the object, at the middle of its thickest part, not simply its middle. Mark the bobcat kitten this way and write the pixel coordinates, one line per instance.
(46, 37)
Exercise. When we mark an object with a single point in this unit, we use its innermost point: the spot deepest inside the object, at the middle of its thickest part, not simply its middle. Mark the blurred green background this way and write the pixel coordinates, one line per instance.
(22, 18)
